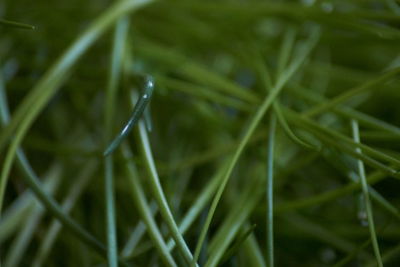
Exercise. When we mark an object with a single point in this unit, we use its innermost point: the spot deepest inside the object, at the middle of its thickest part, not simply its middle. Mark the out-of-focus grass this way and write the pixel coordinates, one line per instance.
(269, 120)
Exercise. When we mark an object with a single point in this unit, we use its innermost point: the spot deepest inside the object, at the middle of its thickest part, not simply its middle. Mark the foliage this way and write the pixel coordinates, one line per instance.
(270, 138)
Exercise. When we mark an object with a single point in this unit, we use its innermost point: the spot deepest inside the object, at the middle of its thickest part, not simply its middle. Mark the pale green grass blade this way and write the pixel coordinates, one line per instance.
(145, 210)
(158, 193)
(24, 238)
(253, 252)
(364, 186)
(120, 33)
(55, 227)
(137, 235)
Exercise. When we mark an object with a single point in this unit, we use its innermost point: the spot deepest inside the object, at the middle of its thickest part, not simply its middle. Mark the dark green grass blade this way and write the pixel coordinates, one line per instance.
(137, 113)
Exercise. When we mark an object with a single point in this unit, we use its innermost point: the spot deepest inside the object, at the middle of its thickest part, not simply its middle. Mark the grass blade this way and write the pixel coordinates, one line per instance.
(249, 132)
(158, 193)
(121, 29)
(368, 207)
(145, 210)
(14, 24)
(270, 193)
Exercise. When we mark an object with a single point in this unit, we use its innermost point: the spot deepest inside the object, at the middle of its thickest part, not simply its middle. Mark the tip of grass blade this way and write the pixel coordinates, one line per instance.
(14, 24)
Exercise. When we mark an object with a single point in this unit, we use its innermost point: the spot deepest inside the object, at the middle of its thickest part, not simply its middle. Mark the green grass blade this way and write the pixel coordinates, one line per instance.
(144, 209)
(137, 235)
(352, 92)
(112, 255)
(48, 85)
(120, 33)
(284, 53)
(33, 182)
(363, 118)
(24, 238)
(158, 193)
(14, 24)
(237, 244)
(285, 125)
(198, 206)
(328, 196)
(248, 199)
(364, 187)
(137, 113)
(249, 132)
(193, 70)
(55, 227)
(270, 193)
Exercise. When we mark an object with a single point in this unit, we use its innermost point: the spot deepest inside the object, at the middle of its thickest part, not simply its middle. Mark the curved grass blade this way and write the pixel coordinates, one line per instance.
(196, 208)
(14, 24)
(283, 122)
(284, 55)
(24, 238)
(144, 209)
(137, 113)
(303, 122)
(34, 103)
(48, 85)
(55, 227)
(33, 182)
(269, 99)
(364, 186)
(158, 193)
(200, 204)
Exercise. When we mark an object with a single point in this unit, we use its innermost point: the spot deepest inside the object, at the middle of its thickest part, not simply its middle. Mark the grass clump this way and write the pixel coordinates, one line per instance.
(253, 133)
